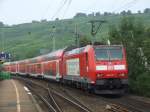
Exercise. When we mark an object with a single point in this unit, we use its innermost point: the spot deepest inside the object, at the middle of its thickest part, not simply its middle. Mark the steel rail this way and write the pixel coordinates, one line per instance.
(128, 107)
(76, 100)
(71, 101)
(53, 101)
(51, 108)
(81, 107)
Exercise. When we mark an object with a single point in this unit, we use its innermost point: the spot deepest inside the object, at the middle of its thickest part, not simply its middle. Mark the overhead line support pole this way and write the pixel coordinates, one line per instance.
(77, 41)
(95, 29)
(53, 37)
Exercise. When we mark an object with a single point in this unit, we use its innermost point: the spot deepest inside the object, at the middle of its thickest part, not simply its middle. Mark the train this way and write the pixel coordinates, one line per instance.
(101, 69)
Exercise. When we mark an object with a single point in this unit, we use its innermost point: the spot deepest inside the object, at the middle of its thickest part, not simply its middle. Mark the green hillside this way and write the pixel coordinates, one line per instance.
(28, 40)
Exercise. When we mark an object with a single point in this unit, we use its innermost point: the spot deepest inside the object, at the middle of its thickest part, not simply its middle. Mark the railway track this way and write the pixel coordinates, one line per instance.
(52, 101)
(109, 107)
(129, 104)
(33, 87)
(117, 104)
(66, 94)
(71, 99)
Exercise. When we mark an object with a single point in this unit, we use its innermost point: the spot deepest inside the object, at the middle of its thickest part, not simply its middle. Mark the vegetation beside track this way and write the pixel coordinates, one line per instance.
(135, 36)
(4, 75)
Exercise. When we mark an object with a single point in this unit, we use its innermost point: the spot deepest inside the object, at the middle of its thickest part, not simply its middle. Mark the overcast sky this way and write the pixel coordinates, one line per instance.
(22, 11)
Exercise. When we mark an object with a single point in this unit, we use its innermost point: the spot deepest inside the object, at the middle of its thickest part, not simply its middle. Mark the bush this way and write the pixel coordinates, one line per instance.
(135, 38)
(143, 84)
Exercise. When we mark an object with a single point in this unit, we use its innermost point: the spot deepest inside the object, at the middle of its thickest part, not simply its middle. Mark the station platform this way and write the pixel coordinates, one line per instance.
(15, 98)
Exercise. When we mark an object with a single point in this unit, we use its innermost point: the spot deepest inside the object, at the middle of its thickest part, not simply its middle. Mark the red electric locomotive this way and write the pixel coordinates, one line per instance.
(101, 68)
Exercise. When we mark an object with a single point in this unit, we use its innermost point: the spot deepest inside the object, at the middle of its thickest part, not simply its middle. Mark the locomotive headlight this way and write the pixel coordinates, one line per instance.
(122, 75)
(119, 67)
(101, 67)
(99, 75)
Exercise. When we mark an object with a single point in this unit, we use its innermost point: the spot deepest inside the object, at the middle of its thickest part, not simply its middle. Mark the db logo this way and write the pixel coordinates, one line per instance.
(110, 67)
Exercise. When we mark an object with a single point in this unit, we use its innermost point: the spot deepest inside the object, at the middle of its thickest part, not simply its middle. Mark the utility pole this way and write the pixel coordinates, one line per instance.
(76, 36)
(2, 38)
(95, 29)
(53, 37)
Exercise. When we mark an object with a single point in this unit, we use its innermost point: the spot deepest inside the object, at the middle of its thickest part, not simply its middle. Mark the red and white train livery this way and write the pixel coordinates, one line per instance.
(101, 68)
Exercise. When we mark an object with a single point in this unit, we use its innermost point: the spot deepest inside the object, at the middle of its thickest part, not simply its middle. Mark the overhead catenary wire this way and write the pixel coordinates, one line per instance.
(127, 5)
(46, 10)
(91, 5)
(68, 2)
(61, 6)
(59, 9)
(67, 8)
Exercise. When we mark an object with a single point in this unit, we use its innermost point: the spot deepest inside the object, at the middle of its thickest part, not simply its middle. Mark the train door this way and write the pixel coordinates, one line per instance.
(57, 71)
(84, 65)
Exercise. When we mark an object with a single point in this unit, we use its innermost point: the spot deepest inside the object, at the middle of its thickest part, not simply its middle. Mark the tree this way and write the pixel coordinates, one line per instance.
(91, 15)
(147, 10)
(106, 13)
(123, 12)
(80, 15)
(114, 33)
(84, 41)
(126, 12)
(34, 21)
(1, 24)
(97, 14)
(146, 45)
(132, 35)
(44, 21)
(139, 12)
(129, 12)
(57, 19)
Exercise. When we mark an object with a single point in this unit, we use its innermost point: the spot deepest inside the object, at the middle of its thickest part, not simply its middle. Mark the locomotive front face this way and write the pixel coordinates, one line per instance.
(110, 62)
(111, 67)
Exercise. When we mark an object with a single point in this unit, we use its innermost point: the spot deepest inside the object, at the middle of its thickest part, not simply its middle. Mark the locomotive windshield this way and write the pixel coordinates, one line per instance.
(108, 53)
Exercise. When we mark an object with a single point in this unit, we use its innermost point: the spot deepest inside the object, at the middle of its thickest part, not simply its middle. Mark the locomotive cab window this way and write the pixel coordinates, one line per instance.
(101, 54)
(108, 53)
(116, 53)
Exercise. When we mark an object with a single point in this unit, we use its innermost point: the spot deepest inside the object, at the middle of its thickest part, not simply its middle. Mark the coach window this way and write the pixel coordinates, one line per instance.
(38, 66)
